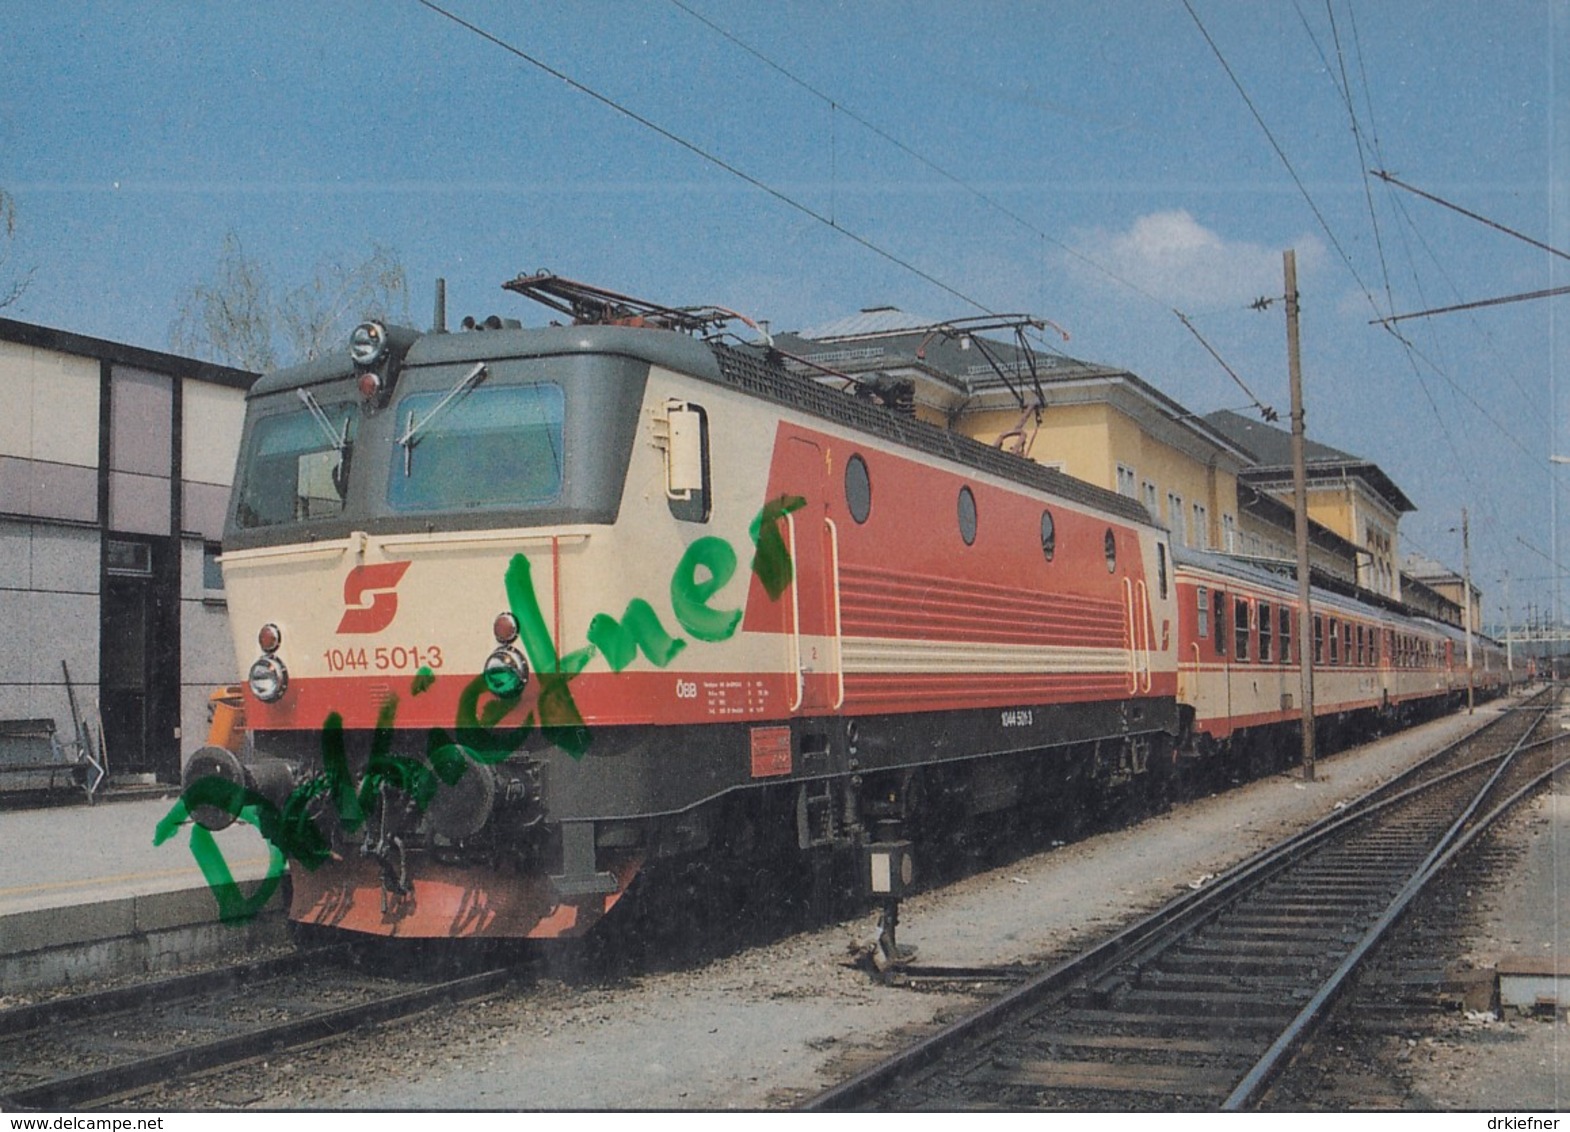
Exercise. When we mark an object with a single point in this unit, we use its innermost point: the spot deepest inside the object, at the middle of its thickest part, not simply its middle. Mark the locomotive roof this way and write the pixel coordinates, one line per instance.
(745, 368)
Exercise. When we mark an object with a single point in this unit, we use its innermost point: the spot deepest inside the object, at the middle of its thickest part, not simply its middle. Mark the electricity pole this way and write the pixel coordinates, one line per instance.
(1305, 616)
(1466, 570)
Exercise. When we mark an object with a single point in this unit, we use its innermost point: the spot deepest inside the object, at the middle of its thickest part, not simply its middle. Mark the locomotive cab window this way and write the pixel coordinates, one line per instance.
(687, 487)
(494, 446)
(297, 466)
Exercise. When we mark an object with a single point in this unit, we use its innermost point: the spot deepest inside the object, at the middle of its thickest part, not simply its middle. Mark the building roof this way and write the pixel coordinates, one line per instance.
(176, 365)
(976, 371)
(1272, 449)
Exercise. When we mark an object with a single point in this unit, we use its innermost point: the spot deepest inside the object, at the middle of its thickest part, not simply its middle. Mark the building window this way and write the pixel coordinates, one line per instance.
(1126, 481)
(212, 576)
(1151, 503)
(131, 558)
(1229, 534)
(1201, 526)
(1175, 519)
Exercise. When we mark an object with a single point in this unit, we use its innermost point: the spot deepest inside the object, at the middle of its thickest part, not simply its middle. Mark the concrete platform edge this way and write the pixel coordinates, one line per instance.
(148, 934)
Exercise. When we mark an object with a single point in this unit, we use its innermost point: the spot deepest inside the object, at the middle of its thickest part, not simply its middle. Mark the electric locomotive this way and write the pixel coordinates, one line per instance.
(526, 610)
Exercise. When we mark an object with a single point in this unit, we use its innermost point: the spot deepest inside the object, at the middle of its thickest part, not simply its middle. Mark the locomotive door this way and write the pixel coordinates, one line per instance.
(810, 534)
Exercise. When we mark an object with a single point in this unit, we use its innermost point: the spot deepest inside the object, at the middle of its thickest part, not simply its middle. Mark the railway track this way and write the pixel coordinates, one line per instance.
(76, 1052)
(1201, 1005)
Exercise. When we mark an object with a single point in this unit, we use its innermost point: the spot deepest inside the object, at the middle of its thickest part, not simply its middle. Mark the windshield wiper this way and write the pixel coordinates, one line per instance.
(339, 440)
(412, 430)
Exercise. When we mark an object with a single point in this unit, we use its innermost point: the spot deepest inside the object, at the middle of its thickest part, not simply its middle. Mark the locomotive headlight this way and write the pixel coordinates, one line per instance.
(269, 679)
(367, 344)
(506, 672)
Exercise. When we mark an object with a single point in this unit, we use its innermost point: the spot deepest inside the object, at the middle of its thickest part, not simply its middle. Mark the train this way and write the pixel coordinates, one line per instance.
(527, 612)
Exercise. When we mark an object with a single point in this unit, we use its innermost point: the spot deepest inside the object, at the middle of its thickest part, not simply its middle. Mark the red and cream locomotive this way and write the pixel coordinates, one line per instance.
(526, 610)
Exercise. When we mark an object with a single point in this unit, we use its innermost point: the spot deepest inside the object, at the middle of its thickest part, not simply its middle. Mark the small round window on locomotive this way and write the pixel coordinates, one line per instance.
(967, 516)
(858, 489)
(1049, 536)
(1111, 544)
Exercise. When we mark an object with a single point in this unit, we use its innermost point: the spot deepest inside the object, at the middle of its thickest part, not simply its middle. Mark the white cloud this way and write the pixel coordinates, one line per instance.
(1179, 261)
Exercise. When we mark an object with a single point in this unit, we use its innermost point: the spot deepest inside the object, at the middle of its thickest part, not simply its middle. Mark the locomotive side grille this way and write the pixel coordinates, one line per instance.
(883, 603)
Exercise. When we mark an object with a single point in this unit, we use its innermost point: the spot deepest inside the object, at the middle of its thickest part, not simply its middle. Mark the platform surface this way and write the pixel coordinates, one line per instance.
(75, 856)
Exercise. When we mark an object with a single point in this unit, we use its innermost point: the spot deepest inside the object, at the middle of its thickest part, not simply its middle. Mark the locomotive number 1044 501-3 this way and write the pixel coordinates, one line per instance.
(398, 658)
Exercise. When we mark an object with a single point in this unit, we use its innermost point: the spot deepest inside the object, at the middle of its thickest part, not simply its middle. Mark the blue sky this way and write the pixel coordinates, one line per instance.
(1091, 163)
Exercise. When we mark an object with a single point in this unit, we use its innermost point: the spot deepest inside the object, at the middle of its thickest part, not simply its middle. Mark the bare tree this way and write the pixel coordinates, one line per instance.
(241, 318)
(12, 291)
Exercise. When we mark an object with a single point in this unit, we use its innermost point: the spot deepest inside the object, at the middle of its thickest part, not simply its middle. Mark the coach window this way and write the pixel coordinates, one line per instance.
(1218, 602)
(1264, 632)
(1240, 625)
(1319, 639)
(858, 489)
(1161, 569)
(967, 516)
(1049, 536)
(1286, 635)
(1202, 611)
(1110, 545)
(1335, 641)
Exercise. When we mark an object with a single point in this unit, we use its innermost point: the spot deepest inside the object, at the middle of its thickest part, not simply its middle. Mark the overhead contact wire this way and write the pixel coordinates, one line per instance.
(699, 151)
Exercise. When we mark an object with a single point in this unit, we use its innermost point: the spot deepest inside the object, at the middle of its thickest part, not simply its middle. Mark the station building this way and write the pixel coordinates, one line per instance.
(115, 469)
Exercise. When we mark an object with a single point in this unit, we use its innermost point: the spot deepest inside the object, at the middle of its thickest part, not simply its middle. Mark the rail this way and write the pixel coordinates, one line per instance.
(1128, 967)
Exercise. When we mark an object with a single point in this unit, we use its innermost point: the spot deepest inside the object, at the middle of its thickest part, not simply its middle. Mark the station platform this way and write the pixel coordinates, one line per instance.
(85, 893)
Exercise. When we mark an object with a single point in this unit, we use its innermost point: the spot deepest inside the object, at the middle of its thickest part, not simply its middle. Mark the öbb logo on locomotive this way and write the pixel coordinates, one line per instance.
(932, 629)
(370, 597)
